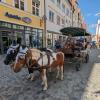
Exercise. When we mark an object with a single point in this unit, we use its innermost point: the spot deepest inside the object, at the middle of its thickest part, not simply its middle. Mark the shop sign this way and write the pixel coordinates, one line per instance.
(24, 19)
(12, 16)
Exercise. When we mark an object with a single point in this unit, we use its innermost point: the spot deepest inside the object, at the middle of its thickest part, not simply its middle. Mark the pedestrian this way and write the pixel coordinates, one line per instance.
(13, 47)
(58, 45)
(34, 43)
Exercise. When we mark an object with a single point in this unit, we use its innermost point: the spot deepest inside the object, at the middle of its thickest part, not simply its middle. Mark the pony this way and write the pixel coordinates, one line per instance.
(41, 61)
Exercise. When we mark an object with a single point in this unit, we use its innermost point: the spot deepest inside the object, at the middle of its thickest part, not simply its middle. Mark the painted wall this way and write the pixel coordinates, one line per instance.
(57, 11)
(14, 11)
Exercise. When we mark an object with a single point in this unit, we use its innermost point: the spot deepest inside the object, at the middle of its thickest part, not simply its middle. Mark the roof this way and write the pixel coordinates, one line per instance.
(74, 31)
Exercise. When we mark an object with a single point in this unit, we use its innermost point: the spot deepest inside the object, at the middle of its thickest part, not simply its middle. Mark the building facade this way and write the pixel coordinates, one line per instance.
(57, 18)
(60, 14)
(21, 20)
(98, 32)
(36, 22)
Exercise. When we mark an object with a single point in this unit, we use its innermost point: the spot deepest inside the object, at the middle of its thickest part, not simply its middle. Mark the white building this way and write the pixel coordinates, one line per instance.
(98, 28)
(98, 31)
(59, 15)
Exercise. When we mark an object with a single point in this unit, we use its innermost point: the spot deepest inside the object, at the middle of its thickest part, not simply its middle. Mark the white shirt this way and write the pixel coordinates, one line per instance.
(22, 52)
(12, 47)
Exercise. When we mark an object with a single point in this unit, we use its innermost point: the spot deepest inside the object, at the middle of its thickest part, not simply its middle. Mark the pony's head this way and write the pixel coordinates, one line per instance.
(19, 63)
(27, 59)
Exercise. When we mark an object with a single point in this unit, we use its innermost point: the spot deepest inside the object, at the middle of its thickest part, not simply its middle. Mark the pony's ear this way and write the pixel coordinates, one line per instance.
(27, 54)
(28, 51)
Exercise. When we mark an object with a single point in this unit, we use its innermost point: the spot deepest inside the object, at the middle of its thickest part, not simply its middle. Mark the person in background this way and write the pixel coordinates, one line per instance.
(13, 47)
(34, 43)
(19, 40)
(58, 44)
(23, 49)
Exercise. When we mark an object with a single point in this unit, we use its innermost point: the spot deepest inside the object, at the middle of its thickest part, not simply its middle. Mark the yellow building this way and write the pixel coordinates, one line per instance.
(21, 20)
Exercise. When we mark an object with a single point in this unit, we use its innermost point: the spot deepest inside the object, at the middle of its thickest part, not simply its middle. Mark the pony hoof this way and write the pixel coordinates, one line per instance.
(28, 77)
(57, 77)
(45, 88)
(32, 79)
(62, 78)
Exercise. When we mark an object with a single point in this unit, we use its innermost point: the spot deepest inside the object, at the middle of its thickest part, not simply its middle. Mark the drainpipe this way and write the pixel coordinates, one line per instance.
(45, 31)
(72, 16)
(72, 13)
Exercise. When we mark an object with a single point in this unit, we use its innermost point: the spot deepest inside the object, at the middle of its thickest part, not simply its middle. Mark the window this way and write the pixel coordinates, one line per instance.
(4, 24)
(63, 22)
(63, 7)
(67, 11)
(58, 20)
(53, 1)
(51, 16)
(19, 4)
(58, 3)
(35, 8)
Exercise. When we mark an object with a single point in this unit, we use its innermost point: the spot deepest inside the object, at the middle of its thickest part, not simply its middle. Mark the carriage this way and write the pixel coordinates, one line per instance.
(76, 51)
(35, 59)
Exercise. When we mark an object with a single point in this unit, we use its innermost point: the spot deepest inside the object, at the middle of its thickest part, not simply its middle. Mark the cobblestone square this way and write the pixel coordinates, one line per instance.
(81, 85)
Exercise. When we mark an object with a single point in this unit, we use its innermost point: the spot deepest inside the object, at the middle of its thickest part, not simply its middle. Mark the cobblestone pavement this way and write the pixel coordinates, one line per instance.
(81, 85)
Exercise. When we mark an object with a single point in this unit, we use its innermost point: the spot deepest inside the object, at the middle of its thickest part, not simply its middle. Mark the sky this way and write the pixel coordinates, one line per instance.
(91, 12)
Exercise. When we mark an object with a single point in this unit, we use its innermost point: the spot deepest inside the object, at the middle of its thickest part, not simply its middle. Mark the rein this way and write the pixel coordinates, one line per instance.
(38, 67)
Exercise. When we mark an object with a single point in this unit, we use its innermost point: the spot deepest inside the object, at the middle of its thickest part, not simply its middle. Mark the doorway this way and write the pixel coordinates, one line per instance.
(6, 38)
(5, 41)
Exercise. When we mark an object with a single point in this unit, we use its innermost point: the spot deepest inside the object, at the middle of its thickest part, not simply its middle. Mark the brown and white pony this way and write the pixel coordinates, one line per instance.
(41, 61)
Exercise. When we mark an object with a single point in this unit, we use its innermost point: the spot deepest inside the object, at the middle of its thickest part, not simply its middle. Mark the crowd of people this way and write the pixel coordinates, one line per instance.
(58, 44)
(71, 41)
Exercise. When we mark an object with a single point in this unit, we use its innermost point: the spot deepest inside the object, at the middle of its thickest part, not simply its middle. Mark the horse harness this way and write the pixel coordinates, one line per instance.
(36, 66)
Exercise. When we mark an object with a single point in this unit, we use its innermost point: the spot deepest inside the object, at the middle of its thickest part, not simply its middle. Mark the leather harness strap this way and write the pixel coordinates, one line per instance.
(36, 66)
(22, 52)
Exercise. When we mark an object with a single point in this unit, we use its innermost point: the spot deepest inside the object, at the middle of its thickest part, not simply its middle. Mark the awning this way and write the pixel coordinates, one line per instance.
(74, 31)
(53, 32)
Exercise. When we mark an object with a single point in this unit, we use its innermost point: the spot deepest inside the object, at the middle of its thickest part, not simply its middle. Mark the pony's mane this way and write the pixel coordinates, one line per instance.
(35, 50)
